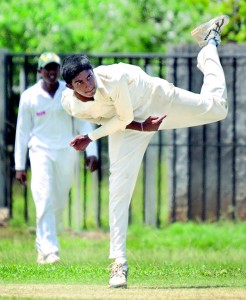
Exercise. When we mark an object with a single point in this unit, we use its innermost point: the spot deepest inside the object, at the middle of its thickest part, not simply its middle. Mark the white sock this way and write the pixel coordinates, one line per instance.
(213, 42)
(121, 260)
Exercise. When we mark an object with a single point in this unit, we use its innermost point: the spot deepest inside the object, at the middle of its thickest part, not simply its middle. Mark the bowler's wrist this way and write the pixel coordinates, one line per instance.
(90, 136)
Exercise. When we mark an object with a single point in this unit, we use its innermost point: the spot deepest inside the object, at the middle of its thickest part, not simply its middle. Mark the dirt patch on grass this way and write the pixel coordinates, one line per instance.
(91, 235)
(48, 291)
(7, 232)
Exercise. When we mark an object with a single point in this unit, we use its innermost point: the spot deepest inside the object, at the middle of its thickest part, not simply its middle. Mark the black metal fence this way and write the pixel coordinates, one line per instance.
(168, 203)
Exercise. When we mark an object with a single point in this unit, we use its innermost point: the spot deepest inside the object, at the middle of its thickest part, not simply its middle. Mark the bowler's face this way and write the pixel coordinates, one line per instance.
(85, 84)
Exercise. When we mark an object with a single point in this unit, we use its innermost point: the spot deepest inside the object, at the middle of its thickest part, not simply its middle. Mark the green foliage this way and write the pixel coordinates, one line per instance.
(110, 25)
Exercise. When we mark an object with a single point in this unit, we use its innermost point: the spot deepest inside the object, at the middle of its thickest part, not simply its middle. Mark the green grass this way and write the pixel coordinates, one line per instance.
(178, 255)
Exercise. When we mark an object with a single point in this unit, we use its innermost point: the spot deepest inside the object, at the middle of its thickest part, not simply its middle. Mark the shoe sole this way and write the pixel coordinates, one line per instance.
(118, 286)
(49, 262)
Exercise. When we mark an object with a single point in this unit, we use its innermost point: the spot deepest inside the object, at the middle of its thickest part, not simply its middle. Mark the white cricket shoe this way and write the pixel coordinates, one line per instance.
(210, 30)
(118, 276)
(51, 258)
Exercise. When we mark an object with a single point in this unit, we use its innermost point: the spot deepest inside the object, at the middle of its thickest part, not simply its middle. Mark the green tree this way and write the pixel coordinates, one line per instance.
(101, 26)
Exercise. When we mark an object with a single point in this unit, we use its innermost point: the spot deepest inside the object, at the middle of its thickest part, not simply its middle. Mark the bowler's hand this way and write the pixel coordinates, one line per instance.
(80, 142)
(21, 177)
(152, 123)
(92, 163)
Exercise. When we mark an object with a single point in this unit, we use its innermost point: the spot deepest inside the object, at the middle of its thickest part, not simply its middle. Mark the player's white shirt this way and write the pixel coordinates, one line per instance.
(43, 122)
(124, 93)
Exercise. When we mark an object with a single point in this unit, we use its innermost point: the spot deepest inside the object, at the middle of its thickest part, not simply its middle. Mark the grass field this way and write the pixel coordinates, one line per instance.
(180, 261)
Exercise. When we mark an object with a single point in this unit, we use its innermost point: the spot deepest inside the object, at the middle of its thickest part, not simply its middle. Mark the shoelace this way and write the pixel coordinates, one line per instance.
(217, 29)
(117, 270)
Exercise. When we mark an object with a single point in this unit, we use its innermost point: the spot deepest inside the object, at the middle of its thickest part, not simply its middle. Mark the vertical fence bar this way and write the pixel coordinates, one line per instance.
(84, 194)
(189, 203)
(146, 63)
(218, 200)
(174, 158)
(99, 202)
(159, 180)
(144, 179)
(5, 163)
(26, 213)
(70, 210)
(174, 179)
(189, 181)
(234, 132)
(204, 171)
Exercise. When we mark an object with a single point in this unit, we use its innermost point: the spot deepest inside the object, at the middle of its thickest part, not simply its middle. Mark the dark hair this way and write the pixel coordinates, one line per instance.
(72, 65)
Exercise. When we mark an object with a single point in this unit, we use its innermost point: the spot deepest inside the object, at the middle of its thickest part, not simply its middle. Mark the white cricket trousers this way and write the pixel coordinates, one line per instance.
(52, 173)
(127, 148)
